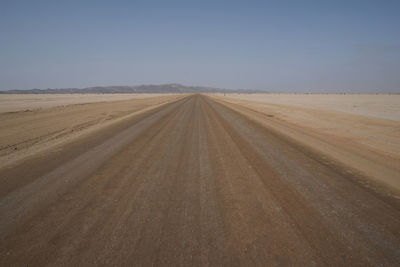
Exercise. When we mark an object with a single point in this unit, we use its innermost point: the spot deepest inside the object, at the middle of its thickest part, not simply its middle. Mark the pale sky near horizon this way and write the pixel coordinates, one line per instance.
(288, 46)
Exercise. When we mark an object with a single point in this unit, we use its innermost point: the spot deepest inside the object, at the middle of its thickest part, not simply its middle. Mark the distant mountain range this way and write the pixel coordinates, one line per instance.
(162, 88)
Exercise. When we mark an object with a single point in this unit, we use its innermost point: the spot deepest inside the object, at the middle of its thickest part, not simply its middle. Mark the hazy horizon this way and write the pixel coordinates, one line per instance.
(245, 90)
(276, 46)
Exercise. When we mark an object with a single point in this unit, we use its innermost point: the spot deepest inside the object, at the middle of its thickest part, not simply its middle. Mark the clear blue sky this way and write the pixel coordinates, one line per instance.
(283, 45)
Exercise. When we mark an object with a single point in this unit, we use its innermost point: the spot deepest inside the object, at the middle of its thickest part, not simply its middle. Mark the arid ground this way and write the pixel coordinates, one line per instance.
(18, 102)
(200, 180)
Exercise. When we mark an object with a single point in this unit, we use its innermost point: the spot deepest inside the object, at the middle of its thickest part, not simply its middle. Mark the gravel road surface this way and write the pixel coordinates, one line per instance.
(192, 183)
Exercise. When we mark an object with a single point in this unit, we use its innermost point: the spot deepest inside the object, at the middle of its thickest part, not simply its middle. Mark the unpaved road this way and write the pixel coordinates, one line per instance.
(192, 183)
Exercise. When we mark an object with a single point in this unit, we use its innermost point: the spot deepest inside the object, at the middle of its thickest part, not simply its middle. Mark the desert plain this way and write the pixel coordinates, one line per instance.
(200, 180)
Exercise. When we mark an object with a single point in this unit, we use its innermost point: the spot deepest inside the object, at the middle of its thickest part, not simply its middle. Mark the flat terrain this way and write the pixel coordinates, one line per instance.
(385, 106)
(360, 131)
(193, 180)
(34, 130)
(28, 102)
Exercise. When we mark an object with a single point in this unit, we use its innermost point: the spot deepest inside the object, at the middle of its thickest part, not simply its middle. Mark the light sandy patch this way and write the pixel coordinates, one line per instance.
(386, 106)
(12, 102)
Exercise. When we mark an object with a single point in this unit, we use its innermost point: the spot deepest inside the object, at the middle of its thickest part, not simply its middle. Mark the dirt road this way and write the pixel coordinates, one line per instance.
(192, 183)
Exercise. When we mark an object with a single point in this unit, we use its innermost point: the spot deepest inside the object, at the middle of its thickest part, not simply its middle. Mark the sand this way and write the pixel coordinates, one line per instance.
(13, 102)
(50, 121)
(386, 106)
(365, 137)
